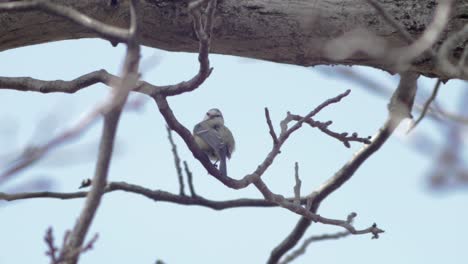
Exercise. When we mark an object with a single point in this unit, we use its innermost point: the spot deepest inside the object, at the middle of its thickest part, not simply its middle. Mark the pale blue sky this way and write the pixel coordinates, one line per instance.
(390, 188)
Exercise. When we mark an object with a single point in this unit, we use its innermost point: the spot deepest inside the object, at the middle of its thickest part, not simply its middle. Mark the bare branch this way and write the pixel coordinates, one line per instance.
(302, 249)
(297, 187)
(189, 179)
(426, 105)
(311, 216)
(51, 248)
(270, 126)
(98, 184)
(403, 98)
(203, 32)
(112, 111)
(59, 86)
(449, 115)
(186, 135)
(343, 137)
(285, 134)
(32, 154)
(176, 161)
(155, 195)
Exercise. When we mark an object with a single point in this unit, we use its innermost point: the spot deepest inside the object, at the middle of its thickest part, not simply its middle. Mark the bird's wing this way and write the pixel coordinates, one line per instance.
(213, 138)
(210, 136)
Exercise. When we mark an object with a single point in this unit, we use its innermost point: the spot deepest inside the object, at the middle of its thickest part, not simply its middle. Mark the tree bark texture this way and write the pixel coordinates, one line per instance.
(293, 31)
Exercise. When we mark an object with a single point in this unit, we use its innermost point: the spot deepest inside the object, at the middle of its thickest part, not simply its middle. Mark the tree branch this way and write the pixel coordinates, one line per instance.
(293, 44)
(104, 30)
(155, 195)
(176, 162)
(426, 105)
(28, 84)
(273, 135)
(189, 179)
(302, 249)
(403, 97)
(112, 111)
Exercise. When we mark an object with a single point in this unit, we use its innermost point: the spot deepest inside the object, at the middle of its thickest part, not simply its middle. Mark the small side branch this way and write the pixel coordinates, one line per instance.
(297, 186)
(176, 162)
(273, 135)
(343, 137)
(52, 250)
(302, 249)
(189, 179)
(427, 104)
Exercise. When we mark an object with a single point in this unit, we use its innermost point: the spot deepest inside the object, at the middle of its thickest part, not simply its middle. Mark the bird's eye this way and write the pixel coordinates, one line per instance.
(208, 114)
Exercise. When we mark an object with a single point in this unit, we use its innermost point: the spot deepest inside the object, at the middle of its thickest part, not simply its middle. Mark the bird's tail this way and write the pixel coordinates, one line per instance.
(222, 164)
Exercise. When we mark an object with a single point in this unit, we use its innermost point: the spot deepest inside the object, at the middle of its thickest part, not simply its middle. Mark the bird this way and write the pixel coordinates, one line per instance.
(214, 138)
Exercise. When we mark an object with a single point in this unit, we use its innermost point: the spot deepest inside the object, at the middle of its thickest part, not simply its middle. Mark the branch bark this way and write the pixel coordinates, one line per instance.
(288, 32)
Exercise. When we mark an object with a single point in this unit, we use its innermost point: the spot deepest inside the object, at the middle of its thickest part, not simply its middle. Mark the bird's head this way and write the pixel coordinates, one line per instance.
(214, 116)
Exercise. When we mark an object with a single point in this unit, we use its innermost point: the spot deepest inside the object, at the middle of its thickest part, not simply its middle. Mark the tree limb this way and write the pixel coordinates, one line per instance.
(402, 98)
(295, 32)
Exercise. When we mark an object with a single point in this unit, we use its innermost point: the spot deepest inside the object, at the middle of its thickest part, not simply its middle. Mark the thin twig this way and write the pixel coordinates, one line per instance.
(176, 162)
(270, 126)
(32, 154)
(204, 33)
(343, 137)
(189, 179)
(302, 249)
(51, 248)
(426, 105)
(297, 186)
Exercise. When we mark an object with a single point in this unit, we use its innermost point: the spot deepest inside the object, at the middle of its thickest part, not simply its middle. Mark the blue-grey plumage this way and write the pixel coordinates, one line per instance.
(214, 138)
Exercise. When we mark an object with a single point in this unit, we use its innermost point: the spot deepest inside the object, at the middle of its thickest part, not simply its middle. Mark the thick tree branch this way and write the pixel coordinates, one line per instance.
(290, 36)
(107, 31)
